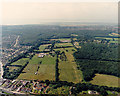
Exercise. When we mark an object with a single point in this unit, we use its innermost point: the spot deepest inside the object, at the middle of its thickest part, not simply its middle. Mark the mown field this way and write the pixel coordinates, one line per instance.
(20, 62)
(111, 40)
(74, 39)
(46, 69)
(106, 80)
(68, 69)
(63, 44)
(11, 68)
(42, 47)
(62, 39)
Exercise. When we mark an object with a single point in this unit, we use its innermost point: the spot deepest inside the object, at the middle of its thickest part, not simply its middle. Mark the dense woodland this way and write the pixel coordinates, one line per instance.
(94, 58)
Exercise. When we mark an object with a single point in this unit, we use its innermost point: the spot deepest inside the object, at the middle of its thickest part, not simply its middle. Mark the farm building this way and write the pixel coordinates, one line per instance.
(41, 55)
(92, 92)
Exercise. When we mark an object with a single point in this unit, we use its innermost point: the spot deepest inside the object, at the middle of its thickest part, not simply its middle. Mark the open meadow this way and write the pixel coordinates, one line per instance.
(42, 47)
(111, 39)
(45, 71)
(62, 40)
(15, 65)
(20, 61)
(106, 80)
(63, 44)
(68, 69)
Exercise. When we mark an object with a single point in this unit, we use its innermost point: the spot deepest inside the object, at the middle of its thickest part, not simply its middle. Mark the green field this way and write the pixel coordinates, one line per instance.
(11, 68)
(62, 39)
(42, 47)
(112, 40)
(63, 44)
(68, 69)
(74, 39)
(20, 61)
(46, 70)
(105, 80)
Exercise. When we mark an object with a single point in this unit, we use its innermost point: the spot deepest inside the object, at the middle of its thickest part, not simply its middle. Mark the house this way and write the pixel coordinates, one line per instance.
(35, 73)
(41, 55)
(92, 92)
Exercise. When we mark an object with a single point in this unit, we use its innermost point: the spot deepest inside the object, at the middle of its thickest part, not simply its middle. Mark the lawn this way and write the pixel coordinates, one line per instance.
(105, 80)
(68, 69)
(46, 70)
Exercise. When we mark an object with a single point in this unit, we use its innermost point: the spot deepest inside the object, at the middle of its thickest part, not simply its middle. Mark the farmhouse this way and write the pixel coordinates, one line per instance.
(92, 92)
(41, 55)
(35, 73)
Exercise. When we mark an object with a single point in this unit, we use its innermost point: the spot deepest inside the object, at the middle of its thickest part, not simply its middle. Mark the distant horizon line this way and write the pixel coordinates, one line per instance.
(61, 22)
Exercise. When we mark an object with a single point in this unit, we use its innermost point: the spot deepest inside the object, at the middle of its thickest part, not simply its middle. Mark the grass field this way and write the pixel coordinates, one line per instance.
(112, 40)
(62, 39)
(46, 70)
(11, 68)
(42, 47)
(67, 69)
(20, 61)
(105, 80)
(74, 39)
(74, 35)
(63, 44)
(70, 49)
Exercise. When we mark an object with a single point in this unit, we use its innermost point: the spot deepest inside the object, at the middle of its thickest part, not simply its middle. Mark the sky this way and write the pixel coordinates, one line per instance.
(36, 12)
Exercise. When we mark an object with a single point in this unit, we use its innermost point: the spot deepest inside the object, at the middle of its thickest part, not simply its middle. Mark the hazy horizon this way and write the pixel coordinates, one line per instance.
(19, 13)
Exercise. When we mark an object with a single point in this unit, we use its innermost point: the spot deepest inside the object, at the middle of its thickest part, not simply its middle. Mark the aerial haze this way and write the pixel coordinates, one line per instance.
(40, 12)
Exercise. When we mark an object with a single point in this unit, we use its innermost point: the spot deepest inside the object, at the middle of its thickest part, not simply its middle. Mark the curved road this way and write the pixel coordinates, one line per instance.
(16, 41)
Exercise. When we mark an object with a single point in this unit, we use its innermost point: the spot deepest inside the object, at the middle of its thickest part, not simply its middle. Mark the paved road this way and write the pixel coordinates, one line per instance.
(16, 41)
(13, 92)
